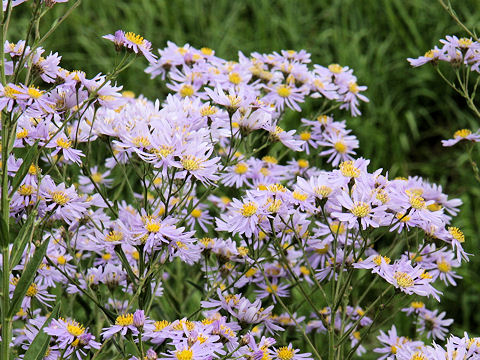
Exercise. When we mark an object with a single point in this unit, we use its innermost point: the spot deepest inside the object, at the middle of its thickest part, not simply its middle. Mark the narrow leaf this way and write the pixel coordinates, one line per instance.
(39, 345)
(4, 237)
(22, 239)
(125, 263)
(27, 278)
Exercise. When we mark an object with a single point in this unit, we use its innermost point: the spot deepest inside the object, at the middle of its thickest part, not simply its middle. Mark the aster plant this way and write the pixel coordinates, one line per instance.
(197, 226)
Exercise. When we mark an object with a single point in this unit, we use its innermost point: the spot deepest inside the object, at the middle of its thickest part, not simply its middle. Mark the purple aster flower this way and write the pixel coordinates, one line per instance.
(132, 41)
(460, 135)
(123, 324)
(409, 279)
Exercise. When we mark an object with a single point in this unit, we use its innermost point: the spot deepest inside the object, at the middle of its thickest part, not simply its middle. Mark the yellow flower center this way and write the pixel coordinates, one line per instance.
(349, 170)
(97, 177)
(305, 136)
(464, 42)
(128, 94)
(152, 226)
(360, 209)
(10, 92)
(273, 288)
(284, 353)
(402, 217)
(297, 195)
(335, 68)
(417, 202)
(35, 93)
(191, 163)
(434, 207)
(417, 304)
(60, 197)
(323, 191)
(186, 354)
(64, 143)
(134, 38)
(235, 78)
(444, 266)
(75, 329)
(249, 209)
(106, 256)
(457, 234)
(206, 51)
(403, 279)
(378, 260)
(337, 227)
(196, 213)
(241, 168)
(61, 260)
(33, 170)
(340, 147)
(186, 90)
(208, 110)
(32, 290)
(114, 236)
(418, 356)
(26, 190)
(124, 320)
(270, 160)
(284, 90)
(22, 134)
(250, 272)
(353, 87)
(429, 54)
(160, 325)
(141, 141)
(462, 133)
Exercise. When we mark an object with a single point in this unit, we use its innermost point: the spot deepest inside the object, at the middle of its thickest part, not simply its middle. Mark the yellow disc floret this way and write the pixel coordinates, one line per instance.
(124, 320)
(249, 209)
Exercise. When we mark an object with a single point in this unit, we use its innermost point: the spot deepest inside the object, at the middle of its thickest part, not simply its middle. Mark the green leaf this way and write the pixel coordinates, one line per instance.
(39, 345)
(23, 169)
(4, 236)
(27, 277)
(125, 263)
(22, 239)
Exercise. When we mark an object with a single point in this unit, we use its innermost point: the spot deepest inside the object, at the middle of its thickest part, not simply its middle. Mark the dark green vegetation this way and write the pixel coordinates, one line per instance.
(410, 110)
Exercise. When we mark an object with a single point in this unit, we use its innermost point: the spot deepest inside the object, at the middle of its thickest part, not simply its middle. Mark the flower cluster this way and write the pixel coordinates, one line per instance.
(196, 227)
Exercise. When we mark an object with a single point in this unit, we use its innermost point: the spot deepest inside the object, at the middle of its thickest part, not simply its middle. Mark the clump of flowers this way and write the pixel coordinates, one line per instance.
(197, 227)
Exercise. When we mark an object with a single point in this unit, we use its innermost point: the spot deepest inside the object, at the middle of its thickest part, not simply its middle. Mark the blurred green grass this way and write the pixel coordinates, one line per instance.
(410, 110)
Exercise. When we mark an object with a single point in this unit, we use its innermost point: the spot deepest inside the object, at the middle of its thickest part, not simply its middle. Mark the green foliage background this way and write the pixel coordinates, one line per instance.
(410, 110)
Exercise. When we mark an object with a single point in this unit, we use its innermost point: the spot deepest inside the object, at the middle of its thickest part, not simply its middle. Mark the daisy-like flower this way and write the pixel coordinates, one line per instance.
(196, 161)
(442, 267)
(285, 94)
(132, 41)
(409, 279)
(462, 135)
(68, 205)
(242, 217)
(8, 96)
(289, 353)
(392, 343)
(434, 55)
(376, 263)
(63, 146)
(274, 289)
(359, 209)
(123, 324)
(287, 138)
(433, 324)
(340, 147)
(68, 332)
